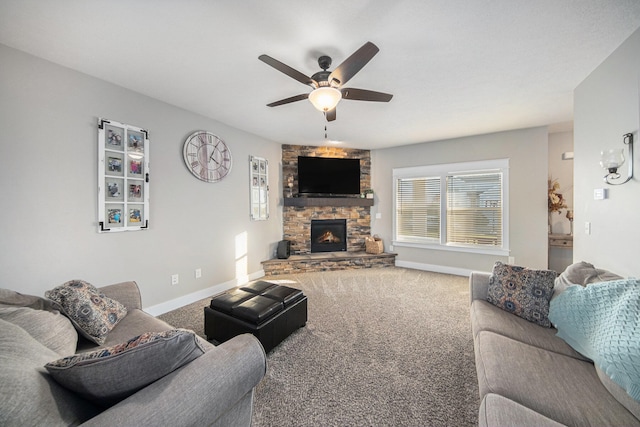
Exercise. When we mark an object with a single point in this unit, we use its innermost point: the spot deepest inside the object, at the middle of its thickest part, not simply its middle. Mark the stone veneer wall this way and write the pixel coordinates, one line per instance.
(297, 220)
(297, 225)
(352, 261)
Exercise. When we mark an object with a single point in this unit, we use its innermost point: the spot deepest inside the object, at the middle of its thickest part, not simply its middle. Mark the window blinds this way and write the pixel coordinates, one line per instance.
(418, 209)
(474, 209)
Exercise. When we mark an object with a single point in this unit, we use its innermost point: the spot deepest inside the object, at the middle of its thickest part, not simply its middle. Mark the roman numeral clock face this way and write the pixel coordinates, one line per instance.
(207, 157)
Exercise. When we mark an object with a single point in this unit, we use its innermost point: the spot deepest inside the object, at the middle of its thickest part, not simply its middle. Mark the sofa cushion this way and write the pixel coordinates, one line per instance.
(562, 388)
(488, 317)
(619, 393)
(496, 410)
(50, 328)
(28, 395)
(135, 323)
(582, 273)
(522, 291)
(91, 312)
(601, 321)
(108, 375)
(9, 298)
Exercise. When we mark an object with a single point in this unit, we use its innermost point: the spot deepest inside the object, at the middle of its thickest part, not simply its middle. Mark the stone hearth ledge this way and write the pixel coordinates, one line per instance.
(327, 261)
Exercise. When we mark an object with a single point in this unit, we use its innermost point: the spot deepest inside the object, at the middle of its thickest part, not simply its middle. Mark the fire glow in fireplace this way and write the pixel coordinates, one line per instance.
(328, 235)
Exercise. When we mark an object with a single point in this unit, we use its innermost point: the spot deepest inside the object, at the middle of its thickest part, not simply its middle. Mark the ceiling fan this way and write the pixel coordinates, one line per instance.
(327, 85)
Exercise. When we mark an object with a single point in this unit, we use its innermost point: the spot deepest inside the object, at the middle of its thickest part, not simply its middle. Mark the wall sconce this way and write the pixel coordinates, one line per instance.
(611, 160)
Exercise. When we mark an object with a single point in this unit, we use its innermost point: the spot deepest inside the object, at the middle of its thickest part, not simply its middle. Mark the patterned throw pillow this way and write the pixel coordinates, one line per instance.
(91, 312)
(523, 292)
(108, 375)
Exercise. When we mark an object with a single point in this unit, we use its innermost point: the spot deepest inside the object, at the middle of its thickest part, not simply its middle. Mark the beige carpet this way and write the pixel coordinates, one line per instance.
(382, 347)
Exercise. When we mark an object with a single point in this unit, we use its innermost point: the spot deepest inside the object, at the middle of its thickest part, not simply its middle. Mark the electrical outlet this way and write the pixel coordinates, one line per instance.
(587, 227)
(198, 273)
(512, 260)
(175, 279)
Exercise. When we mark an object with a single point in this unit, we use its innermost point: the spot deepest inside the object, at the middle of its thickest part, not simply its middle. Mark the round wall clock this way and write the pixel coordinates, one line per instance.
(207, 156)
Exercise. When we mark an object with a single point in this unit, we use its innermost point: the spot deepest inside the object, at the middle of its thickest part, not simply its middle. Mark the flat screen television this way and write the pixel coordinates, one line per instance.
(328, 176)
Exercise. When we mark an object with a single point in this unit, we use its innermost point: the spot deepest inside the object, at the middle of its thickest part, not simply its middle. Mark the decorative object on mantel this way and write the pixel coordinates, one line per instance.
(259, 188)
(207, 156)
(290, 185)
(612, 159)
(123, 177)
(368, 194)
(555, 199)
(373, 244)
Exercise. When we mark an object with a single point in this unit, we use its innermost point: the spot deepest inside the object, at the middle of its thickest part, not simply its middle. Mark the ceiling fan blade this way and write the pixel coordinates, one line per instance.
(291, 72)
(289, 100)
(353, 64)
(330, 115)
(365, 95)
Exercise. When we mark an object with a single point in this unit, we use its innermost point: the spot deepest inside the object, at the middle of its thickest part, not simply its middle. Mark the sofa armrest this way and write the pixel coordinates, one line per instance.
(126, 293)
(196, 394)
(479, 285)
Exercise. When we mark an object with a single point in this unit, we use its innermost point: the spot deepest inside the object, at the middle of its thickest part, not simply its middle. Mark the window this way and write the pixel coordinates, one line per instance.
(418, 209)
(460, 206)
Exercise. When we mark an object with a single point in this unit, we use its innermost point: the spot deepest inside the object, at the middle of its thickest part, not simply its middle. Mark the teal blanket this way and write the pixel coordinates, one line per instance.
(602, 322)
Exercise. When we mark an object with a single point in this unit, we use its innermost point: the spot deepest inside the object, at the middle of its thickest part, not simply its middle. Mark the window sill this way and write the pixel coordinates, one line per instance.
(454, 248)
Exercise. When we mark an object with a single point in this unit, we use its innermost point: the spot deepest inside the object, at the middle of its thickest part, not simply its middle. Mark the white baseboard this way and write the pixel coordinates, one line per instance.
(158, 309)
(435, 268)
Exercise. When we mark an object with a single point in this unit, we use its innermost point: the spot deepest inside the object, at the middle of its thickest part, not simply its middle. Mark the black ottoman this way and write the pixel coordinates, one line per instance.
(268, 311)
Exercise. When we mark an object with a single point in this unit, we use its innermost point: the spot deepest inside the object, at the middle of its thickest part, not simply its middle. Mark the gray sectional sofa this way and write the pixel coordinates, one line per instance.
(214, 387)
(527, 376)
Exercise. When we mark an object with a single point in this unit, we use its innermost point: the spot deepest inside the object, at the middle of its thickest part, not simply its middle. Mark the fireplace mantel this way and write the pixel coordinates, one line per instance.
(327, 201)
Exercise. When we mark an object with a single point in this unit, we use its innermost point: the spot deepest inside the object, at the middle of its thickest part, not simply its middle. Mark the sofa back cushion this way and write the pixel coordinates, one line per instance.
(9, 298)
(28, 395)
(582, 273)
(50, 328)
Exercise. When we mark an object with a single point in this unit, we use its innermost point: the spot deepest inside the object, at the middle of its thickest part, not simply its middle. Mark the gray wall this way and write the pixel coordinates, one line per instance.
(528, 153)
(48, 188)
(606, 106)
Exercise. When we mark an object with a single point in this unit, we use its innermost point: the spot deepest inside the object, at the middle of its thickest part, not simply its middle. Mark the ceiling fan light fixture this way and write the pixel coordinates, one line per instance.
(325, 98)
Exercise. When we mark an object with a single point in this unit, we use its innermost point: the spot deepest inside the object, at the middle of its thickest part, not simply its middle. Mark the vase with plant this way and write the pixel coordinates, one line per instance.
(555, 199)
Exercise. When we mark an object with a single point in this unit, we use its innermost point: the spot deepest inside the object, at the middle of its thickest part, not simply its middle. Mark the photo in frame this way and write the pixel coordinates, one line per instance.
(115, 189)
(123, 171)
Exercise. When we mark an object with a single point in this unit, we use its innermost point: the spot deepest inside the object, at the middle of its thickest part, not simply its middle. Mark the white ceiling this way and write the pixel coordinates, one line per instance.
(455, 67)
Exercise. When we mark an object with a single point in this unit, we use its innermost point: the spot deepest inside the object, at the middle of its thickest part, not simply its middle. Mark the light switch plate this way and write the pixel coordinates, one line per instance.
(599, 194)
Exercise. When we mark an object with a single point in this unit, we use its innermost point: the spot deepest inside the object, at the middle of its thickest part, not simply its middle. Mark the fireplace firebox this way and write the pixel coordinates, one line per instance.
(328, 235)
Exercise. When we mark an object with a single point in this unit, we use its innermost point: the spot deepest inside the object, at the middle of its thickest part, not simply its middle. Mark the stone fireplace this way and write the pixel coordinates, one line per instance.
(328, 235)
(298, 213)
